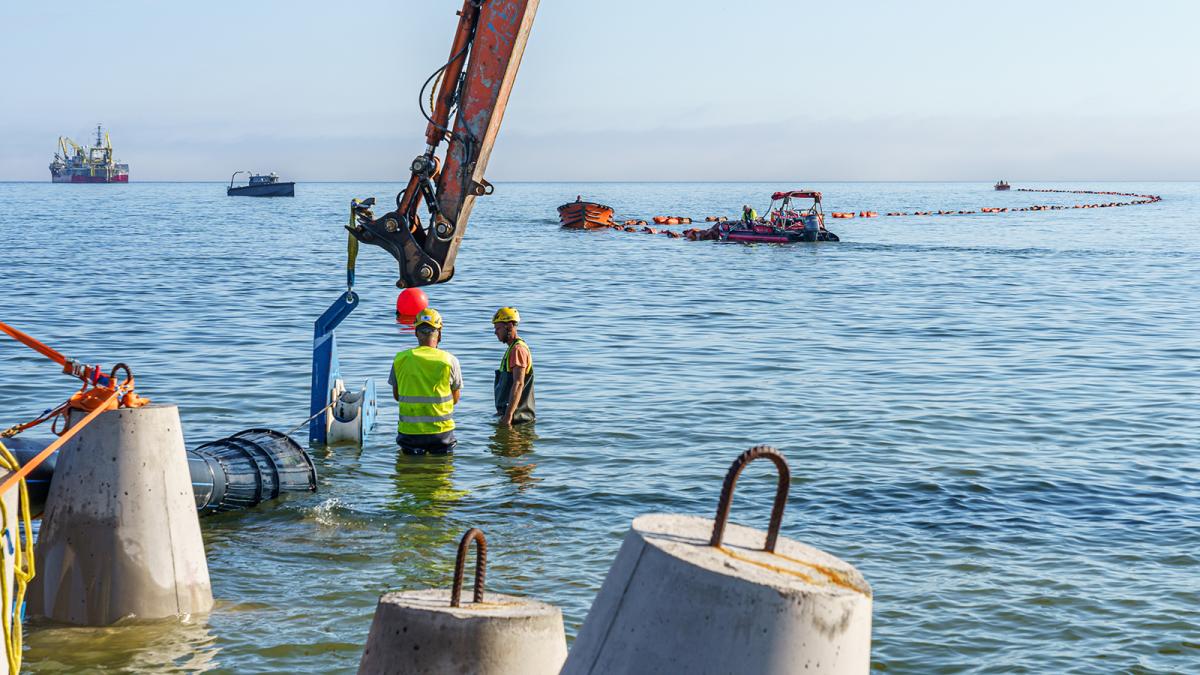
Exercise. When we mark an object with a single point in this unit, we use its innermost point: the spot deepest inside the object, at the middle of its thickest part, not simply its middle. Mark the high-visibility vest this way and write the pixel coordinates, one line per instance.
(422, 377)
(526, 409)
(506, 367)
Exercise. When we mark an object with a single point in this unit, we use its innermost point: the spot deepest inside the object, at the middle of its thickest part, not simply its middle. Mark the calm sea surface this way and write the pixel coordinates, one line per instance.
(995, 417)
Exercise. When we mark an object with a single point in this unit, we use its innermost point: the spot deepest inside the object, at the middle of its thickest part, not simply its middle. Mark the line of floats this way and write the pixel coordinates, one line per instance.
(787, 222)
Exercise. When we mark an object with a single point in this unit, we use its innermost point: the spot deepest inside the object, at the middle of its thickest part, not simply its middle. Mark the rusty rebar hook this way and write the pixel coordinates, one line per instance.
(460, 563)
(781, 494)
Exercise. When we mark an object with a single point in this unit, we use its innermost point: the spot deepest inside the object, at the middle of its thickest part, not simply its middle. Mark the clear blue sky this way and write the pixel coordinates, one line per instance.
(618, 89)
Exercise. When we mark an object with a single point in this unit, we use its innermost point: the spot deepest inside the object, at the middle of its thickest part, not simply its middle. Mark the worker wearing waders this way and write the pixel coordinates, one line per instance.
(426, 383)
(514, 378)
(749, 214)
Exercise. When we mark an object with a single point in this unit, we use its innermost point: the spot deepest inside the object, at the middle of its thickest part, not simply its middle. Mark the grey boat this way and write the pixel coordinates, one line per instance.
(261, 185)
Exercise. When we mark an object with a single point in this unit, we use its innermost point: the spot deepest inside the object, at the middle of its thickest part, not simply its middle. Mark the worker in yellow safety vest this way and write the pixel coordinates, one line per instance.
(748, 213)
(514, 379)
(426, 383)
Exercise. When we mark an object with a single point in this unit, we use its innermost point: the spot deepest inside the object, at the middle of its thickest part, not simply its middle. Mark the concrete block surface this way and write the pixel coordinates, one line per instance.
(672, 603)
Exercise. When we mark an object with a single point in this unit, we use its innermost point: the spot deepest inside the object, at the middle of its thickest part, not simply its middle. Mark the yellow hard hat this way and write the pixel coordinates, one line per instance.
(506, 315)
(428, 317)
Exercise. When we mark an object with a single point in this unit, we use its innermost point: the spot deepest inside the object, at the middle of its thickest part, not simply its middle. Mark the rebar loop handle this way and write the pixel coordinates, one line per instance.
(460, 563)
(112, 374)
(781, 494)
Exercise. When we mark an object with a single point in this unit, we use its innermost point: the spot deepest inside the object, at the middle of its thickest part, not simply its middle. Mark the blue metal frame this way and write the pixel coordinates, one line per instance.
(325, 367)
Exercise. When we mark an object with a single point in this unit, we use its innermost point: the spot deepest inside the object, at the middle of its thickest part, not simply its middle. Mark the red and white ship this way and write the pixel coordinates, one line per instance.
(75, 164)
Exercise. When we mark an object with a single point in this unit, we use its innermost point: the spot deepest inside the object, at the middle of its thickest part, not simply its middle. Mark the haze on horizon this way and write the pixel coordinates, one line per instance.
(618, 90)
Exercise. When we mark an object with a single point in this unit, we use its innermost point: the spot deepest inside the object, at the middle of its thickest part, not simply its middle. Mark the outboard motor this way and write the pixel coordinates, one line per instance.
(812, 228)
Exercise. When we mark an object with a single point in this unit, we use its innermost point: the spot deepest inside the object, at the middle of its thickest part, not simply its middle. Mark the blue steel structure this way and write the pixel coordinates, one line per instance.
(325, 368)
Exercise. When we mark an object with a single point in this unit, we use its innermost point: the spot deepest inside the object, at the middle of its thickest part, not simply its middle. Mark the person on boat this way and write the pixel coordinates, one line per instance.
(426, 384)
(749, 214)
(514, 379)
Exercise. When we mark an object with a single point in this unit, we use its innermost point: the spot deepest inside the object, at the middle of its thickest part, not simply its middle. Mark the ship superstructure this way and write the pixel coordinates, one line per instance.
(75, 164)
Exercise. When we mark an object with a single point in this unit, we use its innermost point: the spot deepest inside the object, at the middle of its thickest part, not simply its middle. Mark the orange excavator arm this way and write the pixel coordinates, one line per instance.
(472, 88)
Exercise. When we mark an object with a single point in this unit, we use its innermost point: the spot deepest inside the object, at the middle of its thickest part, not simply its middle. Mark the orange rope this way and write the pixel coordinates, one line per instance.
(68, 435)
(34, 344)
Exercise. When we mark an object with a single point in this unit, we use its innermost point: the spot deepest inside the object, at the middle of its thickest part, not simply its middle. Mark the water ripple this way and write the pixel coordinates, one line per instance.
(994, 417)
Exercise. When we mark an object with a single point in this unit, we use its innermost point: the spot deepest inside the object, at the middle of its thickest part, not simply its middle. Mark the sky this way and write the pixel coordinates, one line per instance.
(754, 90)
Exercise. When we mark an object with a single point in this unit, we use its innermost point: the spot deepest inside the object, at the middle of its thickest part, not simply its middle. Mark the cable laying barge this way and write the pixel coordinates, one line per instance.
(80, 164)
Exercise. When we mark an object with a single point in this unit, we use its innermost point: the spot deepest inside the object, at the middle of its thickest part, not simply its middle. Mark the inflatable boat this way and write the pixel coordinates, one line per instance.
(786, 222)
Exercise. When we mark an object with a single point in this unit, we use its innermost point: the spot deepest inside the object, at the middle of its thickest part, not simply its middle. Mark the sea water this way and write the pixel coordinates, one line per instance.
(995, 417)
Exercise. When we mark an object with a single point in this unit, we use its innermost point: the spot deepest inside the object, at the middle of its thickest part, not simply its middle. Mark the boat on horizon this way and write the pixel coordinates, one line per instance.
(1002, 185)
(261, 185)
(74, 163)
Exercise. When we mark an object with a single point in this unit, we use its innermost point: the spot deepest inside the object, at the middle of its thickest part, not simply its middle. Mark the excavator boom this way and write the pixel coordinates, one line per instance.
(474, 86)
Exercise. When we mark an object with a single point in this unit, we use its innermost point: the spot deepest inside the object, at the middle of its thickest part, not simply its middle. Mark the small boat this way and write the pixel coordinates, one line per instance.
(785, 222)
(1002, 185)
(261, 186)
(581, 215)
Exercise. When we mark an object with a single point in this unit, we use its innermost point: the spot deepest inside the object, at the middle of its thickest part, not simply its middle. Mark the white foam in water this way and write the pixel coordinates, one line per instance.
(326, 513)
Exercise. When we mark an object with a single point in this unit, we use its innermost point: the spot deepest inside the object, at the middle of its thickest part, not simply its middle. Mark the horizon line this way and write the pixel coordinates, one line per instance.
(613, 181)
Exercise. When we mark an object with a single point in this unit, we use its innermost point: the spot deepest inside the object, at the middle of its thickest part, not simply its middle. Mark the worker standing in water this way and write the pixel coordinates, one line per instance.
(749, 214)
(514, 378)
(426, 383)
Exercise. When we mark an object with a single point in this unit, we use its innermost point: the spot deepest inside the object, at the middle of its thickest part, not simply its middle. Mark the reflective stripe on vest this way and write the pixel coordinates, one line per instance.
(426, 399)
(426, 403)
(421, 419)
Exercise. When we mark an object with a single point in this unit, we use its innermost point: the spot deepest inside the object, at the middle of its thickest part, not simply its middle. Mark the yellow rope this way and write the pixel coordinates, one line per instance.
(351, 244)
(23, 567)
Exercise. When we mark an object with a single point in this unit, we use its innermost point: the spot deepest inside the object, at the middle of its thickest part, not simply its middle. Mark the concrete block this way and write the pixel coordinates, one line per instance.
(120, 537)
(672, 603)
(419, 632)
